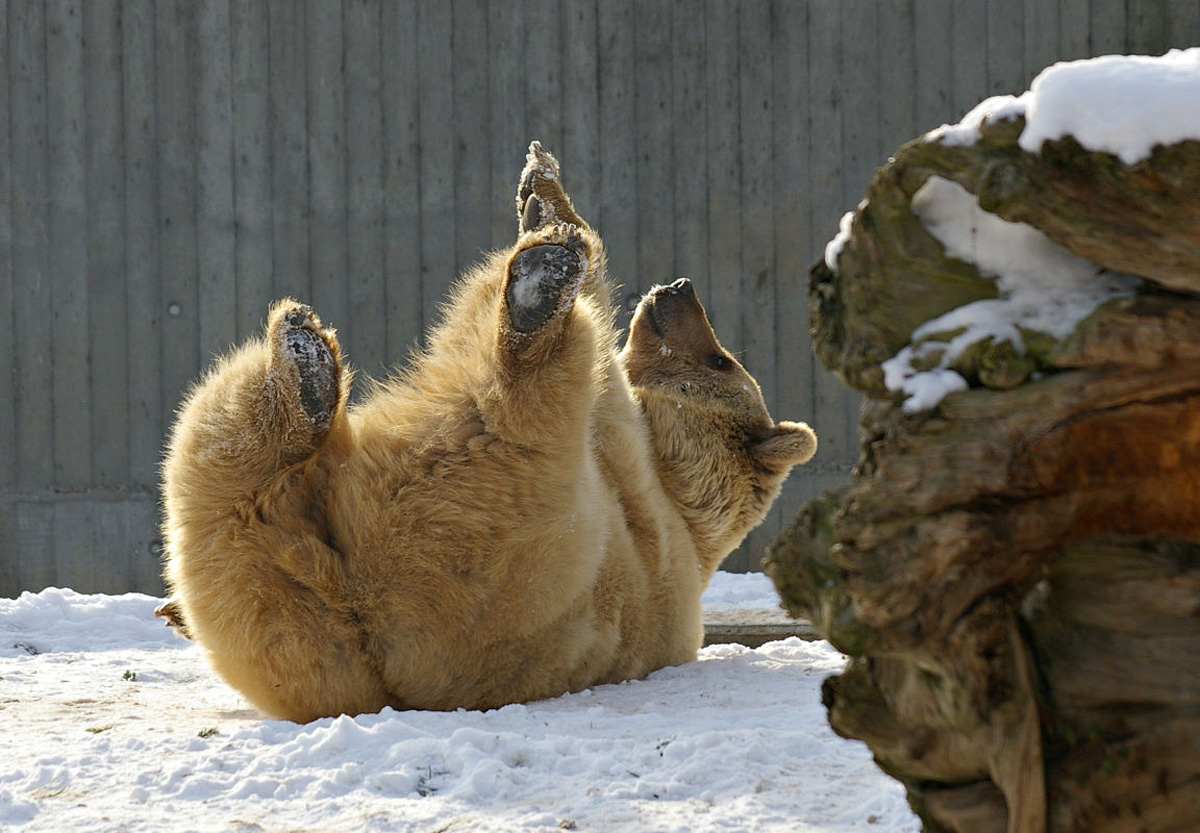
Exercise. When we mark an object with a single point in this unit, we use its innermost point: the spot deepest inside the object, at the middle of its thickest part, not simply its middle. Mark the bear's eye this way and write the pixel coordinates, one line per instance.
(716, 360)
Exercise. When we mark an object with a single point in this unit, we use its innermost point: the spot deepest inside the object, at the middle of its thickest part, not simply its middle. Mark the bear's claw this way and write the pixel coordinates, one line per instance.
(542, 281)
(541, 200)
(169, 611)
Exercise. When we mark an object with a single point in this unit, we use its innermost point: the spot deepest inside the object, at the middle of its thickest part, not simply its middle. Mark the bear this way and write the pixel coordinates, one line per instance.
(525, 510)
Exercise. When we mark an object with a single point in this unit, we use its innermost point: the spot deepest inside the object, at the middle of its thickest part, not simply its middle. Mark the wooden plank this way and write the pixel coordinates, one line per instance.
(754, 627)
(66, 121)
(108, 335)
(436, 160)
(968, 45)
(1108, 27)
(8, 413)
(144, 301)
(543, 62)
(10, 584)
(323, 59)
(581, 107)
(402, 234)
(1041, 36)
(1182, 23)
(1147, 27)
(653, 164)
(863, 95)
(1005, 48)
(290, 256)
(473, 205)
(827, 88)
(507, 135)
(1072, 29)
(722, 146)
(250, 104)
(689, 126)
(33, 536)
(175, 73)
(934, 67)
(876, 100)
(758, 277)
(618, 215)
(365, 204)
(74, 556)
(215, 230)
(795, 249)
(145, 545)
(111, 547)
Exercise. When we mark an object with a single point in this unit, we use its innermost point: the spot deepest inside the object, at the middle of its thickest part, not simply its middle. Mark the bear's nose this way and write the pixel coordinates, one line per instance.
(683, 287)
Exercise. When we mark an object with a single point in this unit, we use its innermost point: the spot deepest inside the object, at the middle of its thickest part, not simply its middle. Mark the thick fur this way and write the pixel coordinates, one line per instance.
(524, 512)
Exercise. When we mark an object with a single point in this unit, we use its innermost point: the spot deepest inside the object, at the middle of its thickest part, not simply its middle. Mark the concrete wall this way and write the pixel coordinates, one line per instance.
(169, 168)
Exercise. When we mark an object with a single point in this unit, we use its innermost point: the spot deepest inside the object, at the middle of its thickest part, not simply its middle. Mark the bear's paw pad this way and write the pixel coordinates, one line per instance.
(543, 281)
(314, 361)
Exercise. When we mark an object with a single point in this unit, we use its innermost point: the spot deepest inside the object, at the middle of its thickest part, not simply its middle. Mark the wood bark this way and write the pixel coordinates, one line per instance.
(1015, 575)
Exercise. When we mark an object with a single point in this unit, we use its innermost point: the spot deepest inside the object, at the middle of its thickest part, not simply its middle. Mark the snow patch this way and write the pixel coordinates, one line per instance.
(1042, 287)
(1119, 104)
(738, 591)
(833, 249)
(736, 741)
(537, 160)
(990, 110)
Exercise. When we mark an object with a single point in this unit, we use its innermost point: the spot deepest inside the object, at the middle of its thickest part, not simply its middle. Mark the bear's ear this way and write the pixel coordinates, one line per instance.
(787, 444)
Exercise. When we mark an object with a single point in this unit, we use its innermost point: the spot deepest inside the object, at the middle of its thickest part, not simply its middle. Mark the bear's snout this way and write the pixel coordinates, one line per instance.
(674, 309)
(682, 286)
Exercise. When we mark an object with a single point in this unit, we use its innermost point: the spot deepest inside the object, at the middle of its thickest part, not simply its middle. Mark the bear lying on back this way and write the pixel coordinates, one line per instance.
(525, 512)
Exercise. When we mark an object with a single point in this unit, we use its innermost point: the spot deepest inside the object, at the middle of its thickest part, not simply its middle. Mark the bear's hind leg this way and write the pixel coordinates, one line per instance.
(257, 576)
(551, 336)
(264, 408)
(543, 204)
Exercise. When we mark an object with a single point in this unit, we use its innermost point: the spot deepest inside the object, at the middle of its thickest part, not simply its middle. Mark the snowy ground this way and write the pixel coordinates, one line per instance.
(110, 722)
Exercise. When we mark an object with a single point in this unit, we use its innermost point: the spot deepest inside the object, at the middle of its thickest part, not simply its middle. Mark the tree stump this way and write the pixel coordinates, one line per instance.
(1015, 573)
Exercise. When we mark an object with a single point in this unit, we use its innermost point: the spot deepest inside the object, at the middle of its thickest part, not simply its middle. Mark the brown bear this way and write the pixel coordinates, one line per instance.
(524, 512)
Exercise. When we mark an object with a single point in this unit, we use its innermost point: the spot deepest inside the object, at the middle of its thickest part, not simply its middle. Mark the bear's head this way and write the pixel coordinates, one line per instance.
(720, 455)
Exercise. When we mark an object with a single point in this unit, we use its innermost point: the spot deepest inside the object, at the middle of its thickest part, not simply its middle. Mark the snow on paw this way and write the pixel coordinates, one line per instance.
(301, 341)
(541, 201)
(544, 280)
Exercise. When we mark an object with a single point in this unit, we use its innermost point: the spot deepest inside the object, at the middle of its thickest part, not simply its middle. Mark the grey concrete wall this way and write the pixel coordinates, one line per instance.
(169, 168)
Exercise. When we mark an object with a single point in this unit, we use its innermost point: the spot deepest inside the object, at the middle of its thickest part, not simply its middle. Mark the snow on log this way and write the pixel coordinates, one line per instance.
(1014, 569)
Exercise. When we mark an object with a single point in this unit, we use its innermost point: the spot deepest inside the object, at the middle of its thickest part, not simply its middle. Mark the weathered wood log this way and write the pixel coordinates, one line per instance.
(1143, 220)
(1015, 573)
(753, 627)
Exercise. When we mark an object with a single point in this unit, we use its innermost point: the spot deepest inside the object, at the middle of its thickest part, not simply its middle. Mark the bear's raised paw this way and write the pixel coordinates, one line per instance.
(543, 280)
(301, 341)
